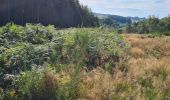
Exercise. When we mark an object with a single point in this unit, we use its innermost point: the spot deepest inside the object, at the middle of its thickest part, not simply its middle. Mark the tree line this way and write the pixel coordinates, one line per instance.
(61, 13)
(152, 25)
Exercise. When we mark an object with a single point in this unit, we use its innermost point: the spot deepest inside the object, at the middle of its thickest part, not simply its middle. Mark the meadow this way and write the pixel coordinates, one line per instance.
(43, 62)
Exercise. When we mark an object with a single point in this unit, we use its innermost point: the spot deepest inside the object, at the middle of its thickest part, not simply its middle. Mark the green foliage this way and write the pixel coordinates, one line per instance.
(44, 84)
(109, 22)
(128, 28)
(12, 32)
(61, 13)
(1, 93)
(36, 46)
(37, 84)
(37, 34)
(88, 17)
(115, 21)
(86, 46)
(153, 26)
(46, 63)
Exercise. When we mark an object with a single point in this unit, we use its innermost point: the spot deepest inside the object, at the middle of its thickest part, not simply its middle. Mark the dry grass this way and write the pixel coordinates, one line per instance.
(150, 60)
(148, 53)
(148, 75)
(137, 52)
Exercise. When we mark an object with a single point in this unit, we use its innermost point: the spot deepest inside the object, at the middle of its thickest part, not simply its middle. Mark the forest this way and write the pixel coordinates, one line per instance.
(65, 13)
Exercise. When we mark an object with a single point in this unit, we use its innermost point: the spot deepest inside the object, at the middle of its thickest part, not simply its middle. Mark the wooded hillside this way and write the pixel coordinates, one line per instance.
(62, 13)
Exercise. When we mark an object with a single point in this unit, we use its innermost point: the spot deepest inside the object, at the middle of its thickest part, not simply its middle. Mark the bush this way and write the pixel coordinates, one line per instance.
(37, 84)
(89, 47)
(12, 32)
(37, 34)
(61, 50)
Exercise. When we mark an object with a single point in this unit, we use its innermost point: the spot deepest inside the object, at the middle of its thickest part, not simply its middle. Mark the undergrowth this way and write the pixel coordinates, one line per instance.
(40, 63)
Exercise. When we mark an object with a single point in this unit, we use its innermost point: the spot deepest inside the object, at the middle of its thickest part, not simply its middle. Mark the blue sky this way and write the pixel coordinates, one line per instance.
(141, 8)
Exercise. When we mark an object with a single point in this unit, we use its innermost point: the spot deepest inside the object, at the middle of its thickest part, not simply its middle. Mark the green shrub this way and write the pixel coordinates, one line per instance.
(37, 84)
(45, 84)
(88, 46)
(12, 32)
(1, 93)
(37, 34)
(38, 46)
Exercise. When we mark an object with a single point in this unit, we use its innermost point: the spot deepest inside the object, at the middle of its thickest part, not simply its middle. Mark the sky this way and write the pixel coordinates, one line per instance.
(141, 8)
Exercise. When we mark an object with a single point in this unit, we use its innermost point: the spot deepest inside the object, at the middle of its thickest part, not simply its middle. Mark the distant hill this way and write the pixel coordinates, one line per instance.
(116, 20)
(61, 13)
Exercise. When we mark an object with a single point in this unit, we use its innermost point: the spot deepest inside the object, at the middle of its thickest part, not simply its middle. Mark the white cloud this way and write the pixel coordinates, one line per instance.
(146, 7)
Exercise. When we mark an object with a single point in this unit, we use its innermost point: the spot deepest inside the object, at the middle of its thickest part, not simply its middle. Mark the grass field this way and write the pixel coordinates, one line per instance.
(149, 65)
(146, 75)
